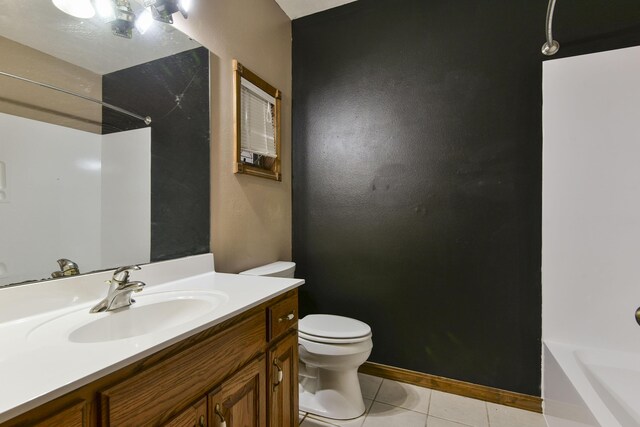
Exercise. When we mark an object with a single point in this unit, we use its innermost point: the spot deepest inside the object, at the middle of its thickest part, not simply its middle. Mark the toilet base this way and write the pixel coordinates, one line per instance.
(332, 394)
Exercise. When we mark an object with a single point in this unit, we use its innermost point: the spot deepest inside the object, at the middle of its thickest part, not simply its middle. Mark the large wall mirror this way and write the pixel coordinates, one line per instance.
(85, 182)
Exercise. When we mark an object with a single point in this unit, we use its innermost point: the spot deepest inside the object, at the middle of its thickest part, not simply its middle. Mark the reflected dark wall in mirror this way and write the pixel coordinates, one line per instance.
(174, 91)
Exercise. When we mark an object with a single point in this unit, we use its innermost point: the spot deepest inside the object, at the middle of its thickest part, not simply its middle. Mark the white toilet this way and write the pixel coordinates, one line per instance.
(331, 349)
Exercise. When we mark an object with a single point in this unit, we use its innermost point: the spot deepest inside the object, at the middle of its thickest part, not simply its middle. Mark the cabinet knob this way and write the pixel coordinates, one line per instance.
(201, 421)
(289, 316)
(223, 423)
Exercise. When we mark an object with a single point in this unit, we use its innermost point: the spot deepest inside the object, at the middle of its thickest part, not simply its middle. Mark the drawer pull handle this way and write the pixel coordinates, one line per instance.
(201, 421)
(223, 423)
(279, 375)
(289, 316)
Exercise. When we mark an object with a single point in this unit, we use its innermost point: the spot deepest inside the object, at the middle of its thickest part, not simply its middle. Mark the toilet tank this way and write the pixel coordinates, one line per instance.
(275, 269)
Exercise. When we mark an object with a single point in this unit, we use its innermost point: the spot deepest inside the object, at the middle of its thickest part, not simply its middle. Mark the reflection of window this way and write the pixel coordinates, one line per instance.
(258, 124)
(257, 121)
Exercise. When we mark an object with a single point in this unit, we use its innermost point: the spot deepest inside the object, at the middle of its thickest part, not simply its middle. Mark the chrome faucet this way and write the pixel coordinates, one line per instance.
(120, 290)
(67, 268)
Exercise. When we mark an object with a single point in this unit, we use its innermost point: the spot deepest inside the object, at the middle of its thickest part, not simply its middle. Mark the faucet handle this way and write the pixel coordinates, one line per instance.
(121, 275)
(67, 266)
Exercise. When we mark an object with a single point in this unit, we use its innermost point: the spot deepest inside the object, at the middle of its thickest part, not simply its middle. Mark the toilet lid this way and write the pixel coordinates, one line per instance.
(333, 327)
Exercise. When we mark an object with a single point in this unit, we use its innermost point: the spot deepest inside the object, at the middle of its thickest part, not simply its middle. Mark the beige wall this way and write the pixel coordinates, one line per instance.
(251, 217)
(33, 102)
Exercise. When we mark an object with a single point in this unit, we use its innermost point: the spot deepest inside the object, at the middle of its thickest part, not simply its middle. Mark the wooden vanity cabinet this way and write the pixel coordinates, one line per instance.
(242, 371)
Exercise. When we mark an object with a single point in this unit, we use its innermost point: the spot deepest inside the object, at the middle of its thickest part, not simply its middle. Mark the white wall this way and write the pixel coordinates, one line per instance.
(591, 199)
(126, 198)
(53, 197)
(52, 204)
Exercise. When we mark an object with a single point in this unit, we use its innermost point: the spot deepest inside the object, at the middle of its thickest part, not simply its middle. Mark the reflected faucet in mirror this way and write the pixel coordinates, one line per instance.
(67, 268)
(120, 290)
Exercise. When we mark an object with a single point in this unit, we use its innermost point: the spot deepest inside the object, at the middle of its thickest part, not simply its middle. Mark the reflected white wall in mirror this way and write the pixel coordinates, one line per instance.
(75, 195)
(126, 197)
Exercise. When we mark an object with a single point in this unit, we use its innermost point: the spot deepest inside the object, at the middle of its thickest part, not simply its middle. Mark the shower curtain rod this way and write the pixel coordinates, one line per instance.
(551, 46)
(146, 120)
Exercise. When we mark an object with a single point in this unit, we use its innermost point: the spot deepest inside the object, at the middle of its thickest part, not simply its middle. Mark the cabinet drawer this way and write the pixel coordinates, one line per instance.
(283, 315)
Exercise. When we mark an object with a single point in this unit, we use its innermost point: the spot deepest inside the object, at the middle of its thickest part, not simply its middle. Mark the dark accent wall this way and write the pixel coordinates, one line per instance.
(417, 140)
(174, 92)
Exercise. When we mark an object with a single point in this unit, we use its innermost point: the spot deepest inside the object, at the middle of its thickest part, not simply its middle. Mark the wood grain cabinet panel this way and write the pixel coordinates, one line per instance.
(241, 400)
(74, 416)
(282, 368)
(193, 416)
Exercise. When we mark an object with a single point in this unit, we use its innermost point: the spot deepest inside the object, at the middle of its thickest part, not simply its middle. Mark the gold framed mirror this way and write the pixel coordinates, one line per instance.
(256, 115)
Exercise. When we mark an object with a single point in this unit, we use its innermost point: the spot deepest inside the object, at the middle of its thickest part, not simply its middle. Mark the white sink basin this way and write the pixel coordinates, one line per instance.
(151, 313)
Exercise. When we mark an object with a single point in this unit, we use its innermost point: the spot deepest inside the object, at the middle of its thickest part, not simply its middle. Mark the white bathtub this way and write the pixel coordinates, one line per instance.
(590, 387)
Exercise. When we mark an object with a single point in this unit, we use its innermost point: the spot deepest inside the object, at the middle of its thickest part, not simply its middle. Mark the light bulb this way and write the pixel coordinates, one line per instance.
(144, 21)
(78, 8)
(185, 5)
(105, 9)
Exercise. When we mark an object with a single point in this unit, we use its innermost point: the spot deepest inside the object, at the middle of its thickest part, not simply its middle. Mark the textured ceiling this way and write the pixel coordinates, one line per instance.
(298, 8)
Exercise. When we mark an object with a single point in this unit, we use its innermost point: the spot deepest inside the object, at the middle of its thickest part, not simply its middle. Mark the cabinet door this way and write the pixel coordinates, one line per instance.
(241, 400)
(194, 416)
(283, 382)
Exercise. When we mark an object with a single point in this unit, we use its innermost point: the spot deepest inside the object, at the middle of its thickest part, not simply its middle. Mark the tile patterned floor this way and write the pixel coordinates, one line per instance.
(393, 404)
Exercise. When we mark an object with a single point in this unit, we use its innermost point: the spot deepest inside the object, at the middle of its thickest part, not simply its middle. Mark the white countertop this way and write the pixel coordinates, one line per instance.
(34, 371)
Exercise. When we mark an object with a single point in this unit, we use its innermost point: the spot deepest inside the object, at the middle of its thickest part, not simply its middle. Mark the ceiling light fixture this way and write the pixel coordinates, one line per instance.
(82, 9)
(124, 20)
(120, 14)
(162, 10)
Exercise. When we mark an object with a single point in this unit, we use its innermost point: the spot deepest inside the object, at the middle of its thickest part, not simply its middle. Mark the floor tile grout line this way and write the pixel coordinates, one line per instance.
(378, 391)
(486, 411)
(405, 409)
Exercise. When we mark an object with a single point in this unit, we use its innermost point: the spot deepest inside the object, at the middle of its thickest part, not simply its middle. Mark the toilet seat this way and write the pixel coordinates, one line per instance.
(328, 340)
(331, 329)
(327, 349)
